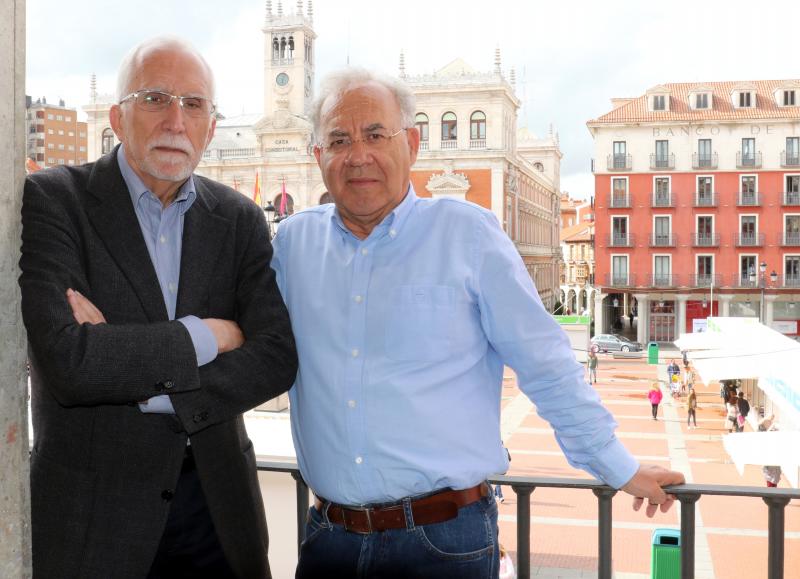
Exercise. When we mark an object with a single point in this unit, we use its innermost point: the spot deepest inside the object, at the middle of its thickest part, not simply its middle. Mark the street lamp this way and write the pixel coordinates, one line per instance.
(272, 219)
(762, 284)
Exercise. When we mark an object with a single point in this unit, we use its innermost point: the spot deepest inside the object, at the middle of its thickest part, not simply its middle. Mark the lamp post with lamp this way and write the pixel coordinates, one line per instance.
(273, 218)
(762, 284)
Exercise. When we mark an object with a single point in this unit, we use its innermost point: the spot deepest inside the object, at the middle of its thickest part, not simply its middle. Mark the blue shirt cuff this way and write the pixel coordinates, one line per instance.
(205, 344)
(157, 405)
(614, 465)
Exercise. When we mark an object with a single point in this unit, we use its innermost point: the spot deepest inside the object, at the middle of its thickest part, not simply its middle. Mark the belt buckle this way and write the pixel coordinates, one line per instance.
(369, 521)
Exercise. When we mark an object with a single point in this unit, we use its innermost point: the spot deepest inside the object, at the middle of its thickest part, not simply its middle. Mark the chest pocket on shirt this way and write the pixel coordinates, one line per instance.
(419, 322)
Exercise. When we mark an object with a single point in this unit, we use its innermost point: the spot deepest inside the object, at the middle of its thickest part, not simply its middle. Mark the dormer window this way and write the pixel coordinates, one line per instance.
(701, 100)
(659, 102)
(789, 98)
(745, 99)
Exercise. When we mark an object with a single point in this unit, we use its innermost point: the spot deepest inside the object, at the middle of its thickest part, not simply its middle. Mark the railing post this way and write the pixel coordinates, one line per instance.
(302, 508)
(523, 530)
(775, 540)
(604, 496)
(687, 533)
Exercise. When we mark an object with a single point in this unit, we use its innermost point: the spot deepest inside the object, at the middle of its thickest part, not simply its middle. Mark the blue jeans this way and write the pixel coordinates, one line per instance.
(462, 548)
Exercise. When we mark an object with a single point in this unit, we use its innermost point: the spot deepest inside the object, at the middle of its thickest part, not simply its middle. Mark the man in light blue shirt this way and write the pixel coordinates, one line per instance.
(405, 311)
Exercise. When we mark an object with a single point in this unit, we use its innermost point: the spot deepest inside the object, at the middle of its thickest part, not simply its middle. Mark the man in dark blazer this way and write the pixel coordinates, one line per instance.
(154, 322)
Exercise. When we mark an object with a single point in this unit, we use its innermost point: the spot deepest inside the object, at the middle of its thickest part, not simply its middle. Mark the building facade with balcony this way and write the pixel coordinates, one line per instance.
(54, 134)
(576, 271)
(697, 204)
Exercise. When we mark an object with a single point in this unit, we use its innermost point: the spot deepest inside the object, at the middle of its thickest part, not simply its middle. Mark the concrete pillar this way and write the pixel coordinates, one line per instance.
(643, 315)
(680, 319)
(725, 302)
(598, 312)
(15, 557)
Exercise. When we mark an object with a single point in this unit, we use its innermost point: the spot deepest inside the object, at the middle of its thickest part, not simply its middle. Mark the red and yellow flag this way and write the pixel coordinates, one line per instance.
(257, 191)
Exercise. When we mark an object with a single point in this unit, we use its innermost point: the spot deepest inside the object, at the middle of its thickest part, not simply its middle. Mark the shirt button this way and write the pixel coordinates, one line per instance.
(351, 403)
(392, 233)
(364, 251)
(354, 352)
(358, 299)
(359, 460)
(163, 239)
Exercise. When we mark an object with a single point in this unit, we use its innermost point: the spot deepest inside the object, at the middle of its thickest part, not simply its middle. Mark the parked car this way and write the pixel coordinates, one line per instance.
(615, 343)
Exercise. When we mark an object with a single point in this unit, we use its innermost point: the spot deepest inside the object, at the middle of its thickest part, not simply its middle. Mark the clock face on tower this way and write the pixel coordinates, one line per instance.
(282, 79)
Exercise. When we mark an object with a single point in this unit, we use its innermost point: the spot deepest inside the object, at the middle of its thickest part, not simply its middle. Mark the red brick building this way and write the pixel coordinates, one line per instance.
(697, 206)
(55, 137)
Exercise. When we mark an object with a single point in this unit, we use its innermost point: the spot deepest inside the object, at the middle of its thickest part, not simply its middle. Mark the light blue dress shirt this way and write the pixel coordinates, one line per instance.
(162, 228)
(402, 339)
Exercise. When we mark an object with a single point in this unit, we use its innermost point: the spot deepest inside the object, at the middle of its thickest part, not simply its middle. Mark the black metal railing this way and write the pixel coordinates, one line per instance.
(775, 499)
(664, 280)
(748, 199)
(748, 239)
(705, 161)
(791, 159)
(752, 160)
(662, 161)
(791, 198)
(744, 281)
(792, 281)
(663, 240)
(619, 200)
(619, 162)
(620, 280)
(708, 199)
(705, 239)
(705, 280)
(620, 240)
(662, 199)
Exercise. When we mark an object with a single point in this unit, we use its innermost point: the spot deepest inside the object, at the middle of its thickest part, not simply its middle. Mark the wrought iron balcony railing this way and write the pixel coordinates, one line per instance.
(662, 162)
(664, 280)
(748, 199)
(792, 280)
(748, 239)
(705, 239)
(708, 161)
(789, 238)
(620, 240)
(791, 197)
(662, 200)
(751, 161)
(790, 159)
(619, 162)
(744, 281)
(775, 500)
(620, 200)
(705, 199)
(705, 280)
(663, 240)
(620, 280)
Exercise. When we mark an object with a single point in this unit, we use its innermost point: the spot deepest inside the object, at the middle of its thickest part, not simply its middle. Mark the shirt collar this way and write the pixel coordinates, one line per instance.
(392, 223)
(137, 189)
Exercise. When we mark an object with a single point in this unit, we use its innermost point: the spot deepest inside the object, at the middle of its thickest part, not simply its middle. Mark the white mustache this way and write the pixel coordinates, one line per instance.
(181, 143)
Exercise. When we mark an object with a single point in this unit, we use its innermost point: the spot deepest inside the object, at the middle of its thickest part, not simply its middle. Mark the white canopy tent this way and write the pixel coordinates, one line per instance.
(743, 348)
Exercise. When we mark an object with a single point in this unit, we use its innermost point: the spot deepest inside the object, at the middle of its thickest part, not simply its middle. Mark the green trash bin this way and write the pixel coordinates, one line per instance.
(652, 353)
(665, 560)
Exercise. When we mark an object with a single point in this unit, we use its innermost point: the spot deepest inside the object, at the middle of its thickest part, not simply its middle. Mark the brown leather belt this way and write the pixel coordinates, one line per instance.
(435, 508)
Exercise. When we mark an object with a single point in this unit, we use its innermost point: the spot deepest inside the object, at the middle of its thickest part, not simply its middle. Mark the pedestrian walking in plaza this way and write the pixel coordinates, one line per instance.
(654, 396)
(731, 414)
(592, 362)
(744, 409)
(691, 408)
(688, 379)
(672, 370)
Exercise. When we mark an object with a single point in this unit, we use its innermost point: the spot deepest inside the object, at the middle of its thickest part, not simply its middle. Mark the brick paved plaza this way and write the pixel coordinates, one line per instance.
(731, 539)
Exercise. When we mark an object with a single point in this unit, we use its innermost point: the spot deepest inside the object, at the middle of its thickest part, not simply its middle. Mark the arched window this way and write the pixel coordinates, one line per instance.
(276, 51)
(477, 126)
(421, 122)
(288, 209)
(449, 127)
(326, 198)
(107, 142)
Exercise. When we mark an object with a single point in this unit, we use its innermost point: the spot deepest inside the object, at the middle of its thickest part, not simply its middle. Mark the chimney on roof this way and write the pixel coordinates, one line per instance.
(617, 102)
(61, 102)
(44, 100)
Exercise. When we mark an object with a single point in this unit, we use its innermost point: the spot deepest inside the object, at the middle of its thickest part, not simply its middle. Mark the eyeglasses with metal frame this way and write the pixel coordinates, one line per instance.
(374, 140)
(158, 101)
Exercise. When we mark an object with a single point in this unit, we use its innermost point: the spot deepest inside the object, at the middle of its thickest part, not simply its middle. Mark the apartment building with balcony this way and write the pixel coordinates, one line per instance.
(697, 206)
(54, 134)
(576, 271)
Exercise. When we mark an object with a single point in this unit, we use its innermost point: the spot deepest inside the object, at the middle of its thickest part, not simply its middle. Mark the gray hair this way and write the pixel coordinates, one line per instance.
(340, 81)
(133, 59)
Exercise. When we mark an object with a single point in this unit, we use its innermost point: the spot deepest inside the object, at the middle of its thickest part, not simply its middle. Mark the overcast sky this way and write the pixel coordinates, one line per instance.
(570, 57)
